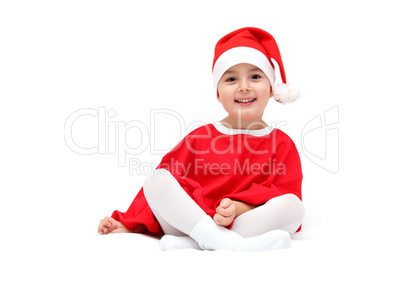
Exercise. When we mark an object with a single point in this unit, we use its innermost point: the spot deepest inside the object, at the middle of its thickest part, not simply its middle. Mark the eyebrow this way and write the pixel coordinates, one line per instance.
(255, 69)
(229, 72)
(251, 70)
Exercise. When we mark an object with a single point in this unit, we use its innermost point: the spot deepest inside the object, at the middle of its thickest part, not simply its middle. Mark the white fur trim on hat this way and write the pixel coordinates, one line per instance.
(242, 55)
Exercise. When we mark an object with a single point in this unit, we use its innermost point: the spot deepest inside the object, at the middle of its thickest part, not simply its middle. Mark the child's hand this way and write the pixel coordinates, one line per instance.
(110, 225)
(225, 213)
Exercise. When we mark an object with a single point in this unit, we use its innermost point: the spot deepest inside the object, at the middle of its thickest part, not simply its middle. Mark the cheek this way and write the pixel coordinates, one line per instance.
(227, 101)
(265, 93)
(223, 96)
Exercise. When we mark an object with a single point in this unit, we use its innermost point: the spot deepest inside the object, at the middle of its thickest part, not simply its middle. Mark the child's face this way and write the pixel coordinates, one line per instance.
(244, 91)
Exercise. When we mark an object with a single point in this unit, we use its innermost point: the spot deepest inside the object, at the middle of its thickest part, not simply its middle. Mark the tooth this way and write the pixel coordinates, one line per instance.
(245, 100)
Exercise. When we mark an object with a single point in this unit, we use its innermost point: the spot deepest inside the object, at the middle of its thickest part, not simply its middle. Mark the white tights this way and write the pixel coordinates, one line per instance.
(179, 215)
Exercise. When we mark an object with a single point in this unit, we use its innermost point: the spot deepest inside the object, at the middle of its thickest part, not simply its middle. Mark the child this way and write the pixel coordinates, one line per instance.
(235, 184)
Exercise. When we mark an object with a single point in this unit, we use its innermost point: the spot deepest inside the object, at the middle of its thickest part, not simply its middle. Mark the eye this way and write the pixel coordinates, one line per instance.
(231, 79)
(255, 76)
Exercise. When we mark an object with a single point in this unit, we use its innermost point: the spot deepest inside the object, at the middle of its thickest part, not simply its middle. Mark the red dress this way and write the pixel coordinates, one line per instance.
(210, 166)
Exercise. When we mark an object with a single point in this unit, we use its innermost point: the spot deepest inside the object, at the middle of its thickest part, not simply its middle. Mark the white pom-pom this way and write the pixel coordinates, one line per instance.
(285, 93)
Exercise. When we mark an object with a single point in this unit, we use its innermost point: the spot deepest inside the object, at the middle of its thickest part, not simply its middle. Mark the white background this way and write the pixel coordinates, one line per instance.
(57, 57)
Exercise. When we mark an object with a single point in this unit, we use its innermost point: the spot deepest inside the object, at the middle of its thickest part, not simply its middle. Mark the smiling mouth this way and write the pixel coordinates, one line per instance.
(245, 100)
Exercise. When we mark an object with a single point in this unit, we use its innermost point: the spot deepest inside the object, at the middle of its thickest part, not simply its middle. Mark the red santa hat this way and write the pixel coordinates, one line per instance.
(257, 47)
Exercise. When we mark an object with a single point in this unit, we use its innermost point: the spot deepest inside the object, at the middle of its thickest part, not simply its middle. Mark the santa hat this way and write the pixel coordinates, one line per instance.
(257, 47)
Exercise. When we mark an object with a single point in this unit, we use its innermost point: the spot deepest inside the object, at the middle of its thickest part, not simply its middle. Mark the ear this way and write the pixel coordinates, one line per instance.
(271, 94)
(219, 97)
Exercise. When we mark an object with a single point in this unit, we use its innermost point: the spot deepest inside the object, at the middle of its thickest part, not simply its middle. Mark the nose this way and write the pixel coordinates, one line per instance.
(244, 86)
